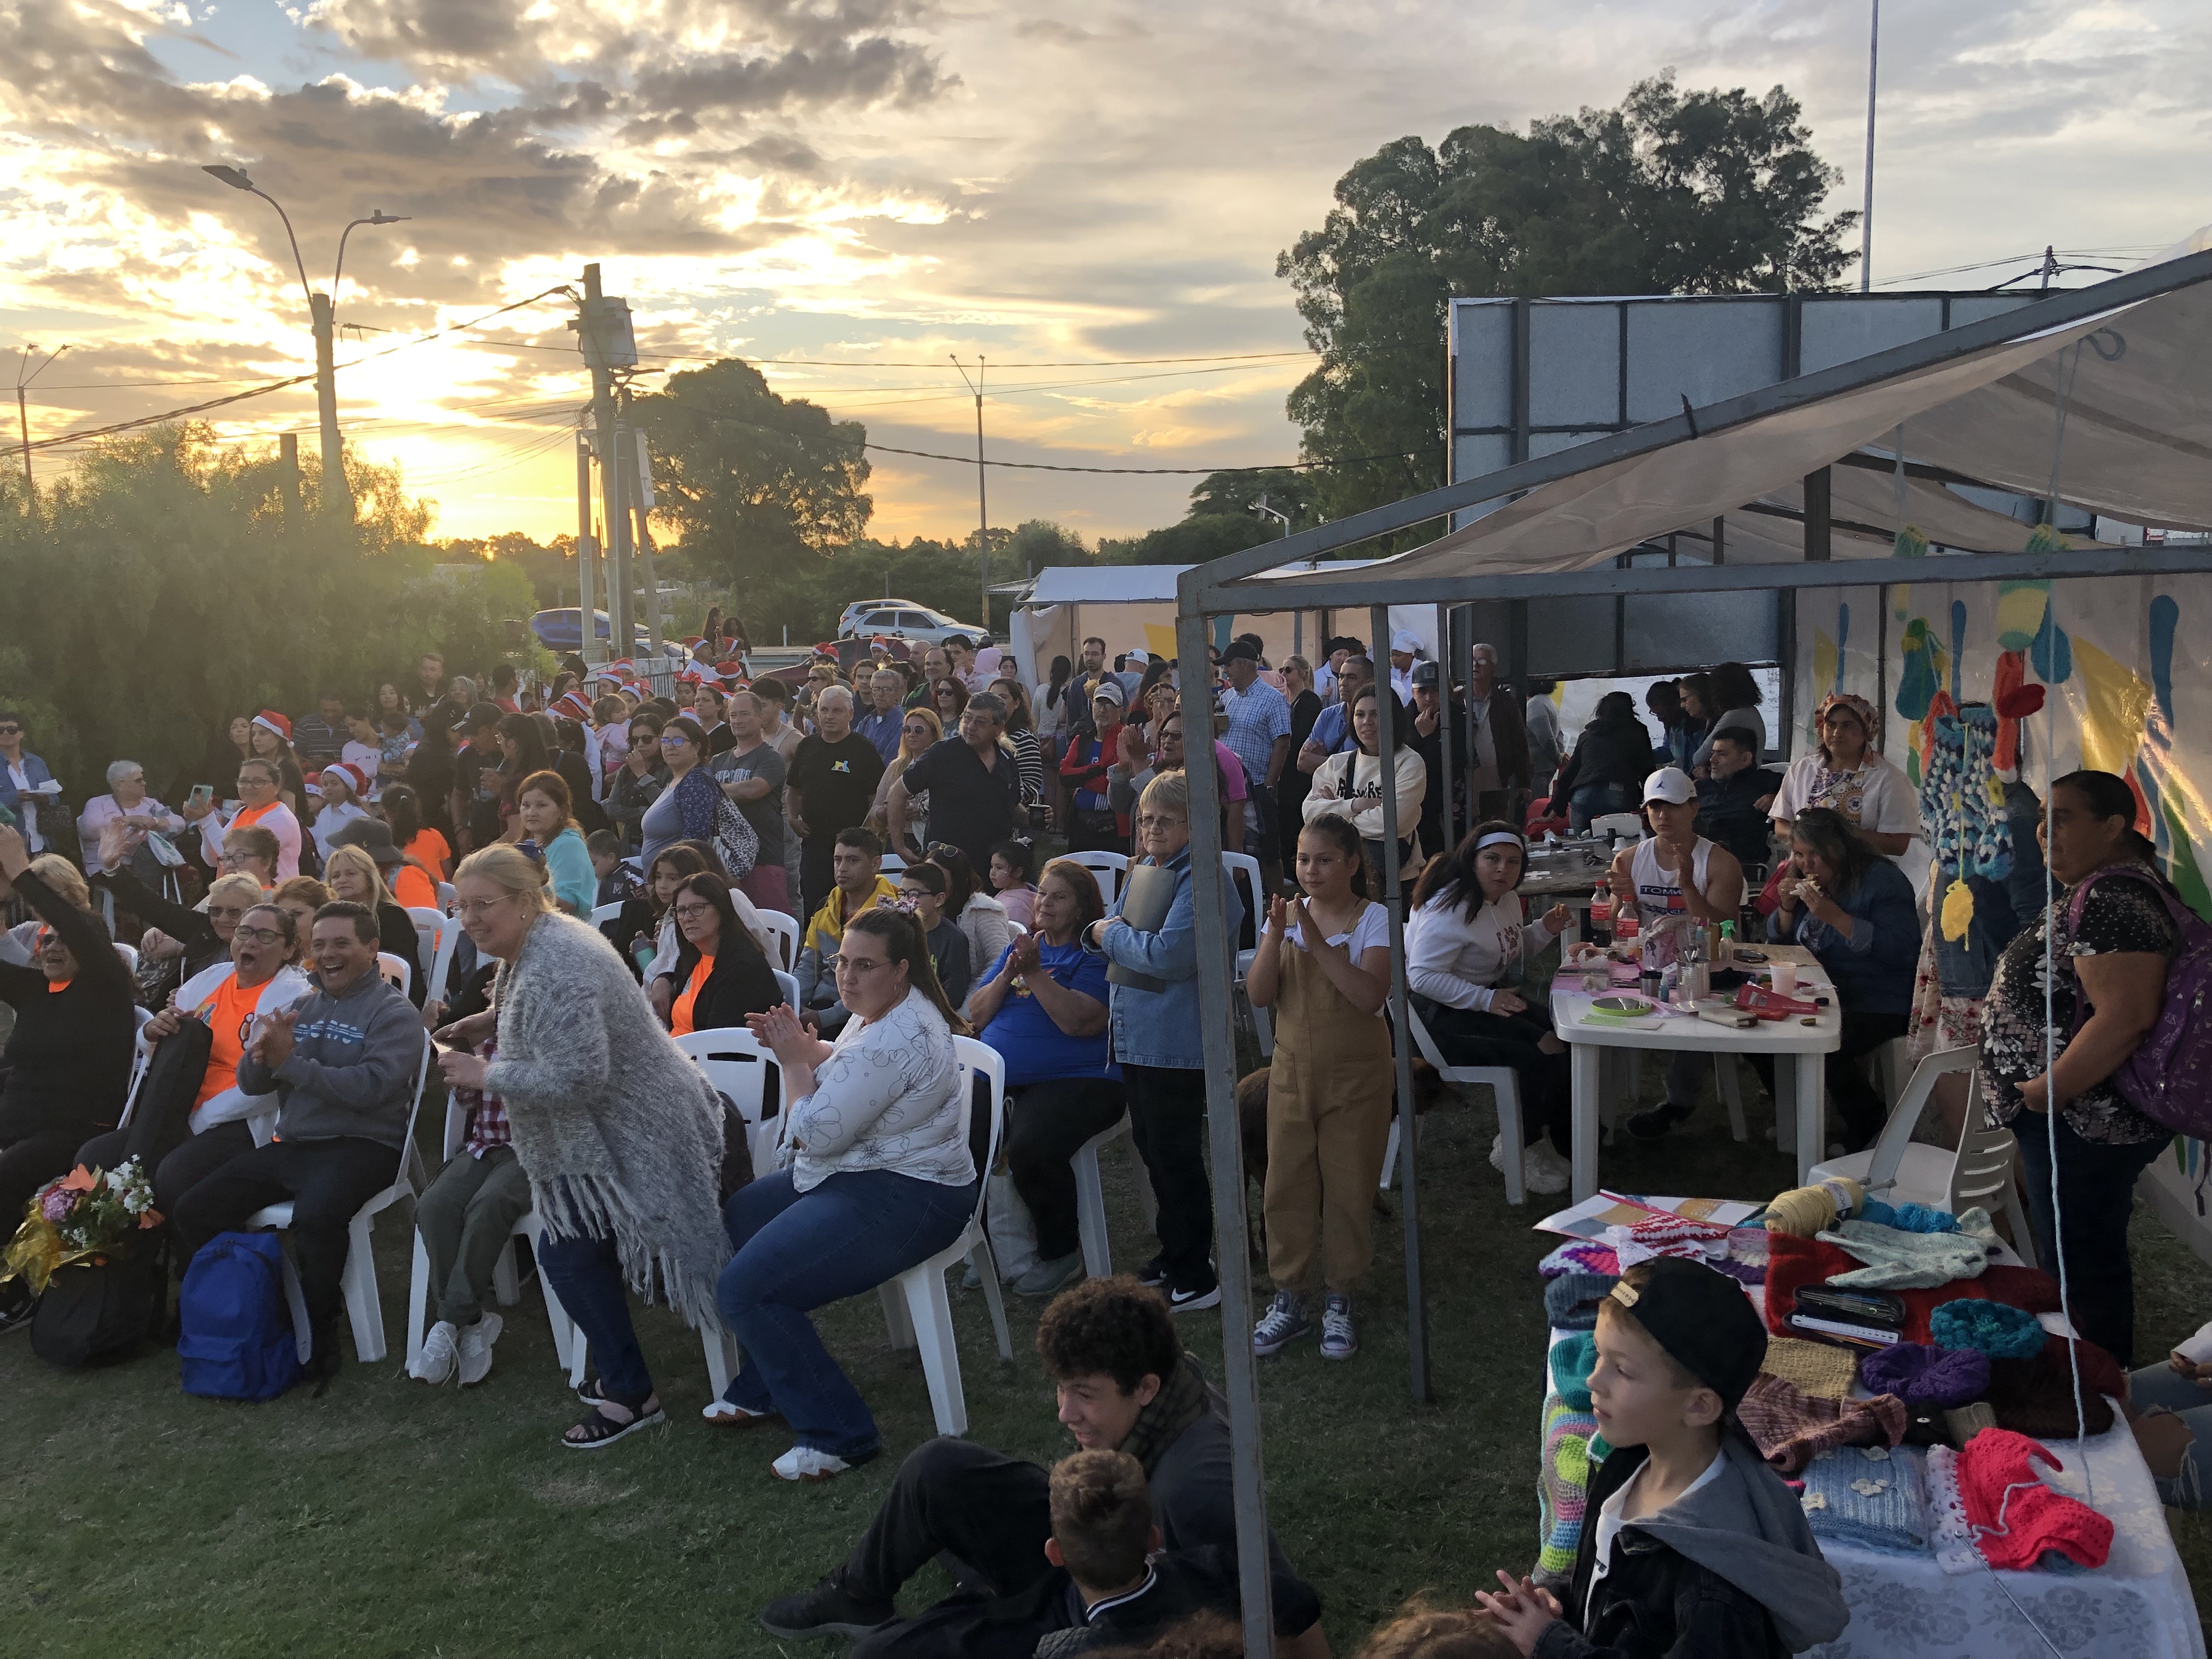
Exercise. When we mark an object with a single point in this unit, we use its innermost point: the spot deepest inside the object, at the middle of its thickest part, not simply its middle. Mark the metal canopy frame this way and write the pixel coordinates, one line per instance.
(1229, 585)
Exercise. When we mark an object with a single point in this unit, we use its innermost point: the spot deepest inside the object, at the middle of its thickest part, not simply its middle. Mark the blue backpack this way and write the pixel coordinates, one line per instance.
(237, 1340)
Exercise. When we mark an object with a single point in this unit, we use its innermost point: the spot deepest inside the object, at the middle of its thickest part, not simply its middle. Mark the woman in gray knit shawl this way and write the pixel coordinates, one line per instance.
(620, 1135)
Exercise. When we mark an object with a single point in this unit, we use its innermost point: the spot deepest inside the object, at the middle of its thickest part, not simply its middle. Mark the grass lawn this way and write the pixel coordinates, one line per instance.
(387, 1519)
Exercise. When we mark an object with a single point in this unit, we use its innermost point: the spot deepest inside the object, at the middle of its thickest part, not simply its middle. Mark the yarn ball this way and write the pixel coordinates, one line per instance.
(1804, 1211)
(1999, 1331)
(1572, 1361)
(1910, 1217)
(1921, 1376)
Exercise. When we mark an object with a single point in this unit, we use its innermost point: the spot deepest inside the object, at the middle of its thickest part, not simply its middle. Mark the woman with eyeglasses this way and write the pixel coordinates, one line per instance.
(720, 975)
(620, 1135)
(685, 810)
(879, 1175)
(918, 733)
(184, 1140)
(126, 798)
(272, 742)
(259, 806)
(68, 1060)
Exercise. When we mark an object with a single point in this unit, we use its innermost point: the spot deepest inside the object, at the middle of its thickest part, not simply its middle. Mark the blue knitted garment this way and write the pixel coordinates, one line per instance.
(1909, 1218)
(1999, 1331)
(1572, 1361)
(1868, 1495)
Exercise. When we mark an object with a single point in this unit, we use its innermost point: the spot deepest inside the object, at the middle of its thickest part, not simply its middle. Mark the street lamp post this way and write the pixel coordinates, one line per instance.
(322, 310)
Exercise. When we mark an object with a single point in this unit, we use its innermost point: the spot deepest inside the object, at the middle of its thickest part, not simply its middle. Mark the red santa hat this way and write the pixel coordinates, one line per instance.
(351, 776)
(268, 719)
(572, 704)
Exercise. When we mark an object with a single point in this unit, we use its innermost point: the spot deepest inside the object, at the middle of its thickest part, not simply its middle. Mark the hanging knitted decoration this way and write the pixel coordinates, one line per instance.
(1988, 851)
(1958, 909)
(1911, 544)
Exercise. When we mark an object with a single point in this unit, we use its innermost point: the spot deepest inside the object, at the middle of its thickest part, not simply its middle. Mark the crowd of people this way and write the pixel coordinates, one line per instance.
(847, 862)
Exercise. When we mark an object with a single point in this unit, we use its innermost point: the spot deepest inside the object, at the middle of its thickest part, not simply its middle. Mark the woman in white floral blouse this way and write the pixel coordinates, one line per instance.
(878, 1177)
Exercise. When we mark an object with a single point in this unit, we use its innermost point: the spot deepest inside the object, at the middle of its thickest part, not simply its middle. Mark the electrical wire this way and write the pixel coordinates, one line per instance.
(842, 362)
(1159, 472)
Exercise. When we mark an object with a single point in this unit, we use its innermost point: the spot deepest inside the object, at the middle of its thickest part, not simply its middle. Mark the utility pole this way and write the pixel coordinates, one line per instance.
(23, 410)
(639, 495)
(288, 470)
(982, 505)
(603, 331)
(587, 551)
(1866, 216)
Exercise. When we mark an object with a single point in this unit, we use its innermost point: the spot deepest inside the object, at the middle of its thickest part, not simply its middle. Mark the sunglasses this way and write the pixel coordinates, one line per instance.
(675, 738)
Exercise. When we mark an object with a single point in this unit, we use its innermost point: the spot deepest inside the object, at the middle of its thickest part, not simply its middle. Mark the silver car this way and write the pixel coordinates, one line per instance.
(902, 619)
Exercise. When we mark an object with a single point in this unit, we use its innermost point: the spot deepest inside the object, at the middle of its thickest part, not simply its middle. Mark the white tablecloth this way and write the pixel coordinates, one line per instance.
(2136, 1606)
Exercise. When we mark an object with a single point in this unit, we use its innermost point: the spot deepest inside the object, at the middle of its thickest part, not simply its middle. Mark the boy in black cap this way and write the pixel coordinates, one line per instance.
(1691, 1544)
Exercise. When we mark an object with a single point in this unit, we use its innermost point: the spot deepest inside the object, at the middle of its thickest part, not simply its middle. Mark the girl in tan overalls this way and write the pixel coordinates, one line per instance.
(1329, 1091)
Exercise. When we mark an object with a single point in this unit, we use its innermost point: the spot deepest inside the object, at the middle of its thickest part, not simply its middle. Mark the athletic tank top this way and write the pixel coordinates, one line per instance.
(1659, 891)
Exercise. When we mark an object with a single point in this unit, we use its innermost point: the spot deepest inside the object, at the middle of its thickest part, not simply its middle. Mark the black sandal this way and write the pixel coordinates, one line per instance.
(598, 1427)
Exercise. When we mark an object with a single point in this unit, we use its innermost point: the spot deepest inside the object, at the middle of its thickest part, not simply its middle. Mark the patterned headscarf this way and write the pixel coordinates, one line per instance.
(1857, 707)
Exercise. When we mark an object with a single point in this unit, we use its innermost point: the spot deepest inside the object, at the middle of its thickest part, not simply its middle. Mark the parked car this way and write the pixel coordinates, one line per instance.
(563, 630)
(902, 619)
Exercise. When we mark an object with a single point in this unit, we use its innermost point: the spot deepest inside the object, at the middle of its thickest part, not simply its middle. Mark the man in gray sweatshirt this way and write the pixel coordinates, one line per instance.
(342, 1065)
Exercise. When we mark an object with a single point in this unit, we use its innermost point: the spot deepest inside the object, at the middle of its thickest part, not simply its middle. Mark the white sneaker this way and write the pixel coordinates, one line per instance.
(1539, 1173)
(804, 1463)
(476, 1349)
(435, 1364)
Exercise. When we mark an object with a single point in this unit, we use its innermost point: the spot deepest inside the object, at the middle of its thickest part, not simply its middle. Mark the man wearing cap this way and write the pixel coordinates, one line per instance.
(1690, 1543)
(1675, 872)
(1096, 828)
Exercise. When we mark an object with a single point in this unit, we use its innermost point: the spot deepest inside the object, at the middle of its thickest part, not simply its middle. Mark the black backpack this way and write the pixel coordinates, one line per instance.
(101, 1313)
(161, 1120)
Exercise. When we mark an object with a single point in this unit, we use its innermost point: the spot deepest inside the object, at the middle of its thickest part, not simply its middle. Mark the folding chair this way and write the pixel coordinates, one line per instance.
(1090, 1200)
(783, 933)
(395, 972)
(1503, 1083)
(1243, 871)
(917, 1306)
(1111, 869)
(363, 1308)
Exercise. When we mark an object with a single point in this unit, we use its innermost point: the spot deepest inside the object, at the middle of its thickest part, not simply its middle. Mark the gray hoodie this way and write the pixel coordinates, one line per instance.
(352, 1068)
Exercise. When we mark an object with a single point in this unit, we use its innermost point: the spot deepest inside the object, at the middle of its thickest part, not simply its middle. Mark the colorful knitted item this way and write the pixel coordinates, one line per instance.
(1790, 1427)
(1799, 1262)
(2035, 1396)
(1819, 1368)
(1661, 1230)
(1909, 1218)
(2016, 1518)
(1923, 1375)
(1571, 1300)
(1998, 1331)
(1580, 1256)
(1948, 1535)
(1747, 1246)
(1870, 1496)
(1562, 1485)
(1572, 1359)
(1899, 1261)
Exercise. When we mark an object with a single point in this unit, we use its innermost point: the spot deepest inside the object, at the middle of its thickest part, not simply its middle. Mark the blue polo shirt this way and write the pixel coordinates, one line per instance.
(882, 729)
(1034, 1047)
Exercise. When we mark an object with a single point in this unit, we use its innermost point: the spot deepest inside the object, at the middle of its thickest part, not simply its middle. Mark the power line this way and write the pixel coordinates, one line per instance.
(1152, 471)
(842, 362)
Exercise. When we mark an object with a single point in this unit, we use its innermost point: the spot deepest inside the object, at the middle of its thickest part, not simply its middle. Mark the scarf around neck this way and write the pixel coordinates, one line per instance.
(1180, 1403)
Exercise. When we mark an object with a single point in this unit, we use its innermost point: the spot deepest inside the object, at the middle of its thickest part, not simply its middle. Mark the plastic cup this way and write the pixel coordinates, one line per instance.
(1785, 978)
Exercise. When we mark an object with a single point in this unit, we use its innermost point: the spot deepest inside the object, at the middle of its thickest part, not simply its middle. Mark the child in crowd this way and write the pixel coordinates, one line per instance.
(618, 883)
(1014, 871)
(364, 747)
(1425, 1632)
(923, 891)
(1719, 1562)
(1329, 1090)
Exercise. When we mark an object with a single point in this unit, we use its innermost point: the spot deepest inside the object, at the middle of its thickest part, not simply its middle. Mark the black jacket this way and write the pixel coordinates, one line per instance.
(1653, 1603)
(69, 1058)
(742, 983)
(1047, 1619)
(1613, 752)
(189, 928)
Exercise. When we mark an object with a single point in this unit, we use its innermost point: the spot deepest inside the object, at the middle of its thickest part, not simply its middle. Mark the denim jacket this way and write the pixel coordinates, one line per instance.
(1161, 1028)
(34, 773)
(1873, 966)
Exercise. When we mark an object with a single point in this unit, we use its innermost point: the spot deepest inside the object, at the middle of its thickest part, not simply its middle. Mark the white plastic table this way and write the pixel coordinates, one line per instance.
(1799, 1089)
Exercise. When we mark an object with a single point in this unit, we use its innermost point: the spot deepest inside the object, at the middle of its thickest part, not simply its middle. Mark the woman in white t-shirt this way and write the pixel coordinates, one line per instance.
(1846, 773)
(1468, 939)
(1329, 1088)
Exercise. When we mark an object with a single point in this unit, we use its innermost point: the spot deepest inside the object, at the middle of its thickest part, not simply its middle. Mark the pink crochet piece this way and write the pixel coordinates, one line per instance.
(1661, 1231)
(1580, 1256)
(2035, 1518)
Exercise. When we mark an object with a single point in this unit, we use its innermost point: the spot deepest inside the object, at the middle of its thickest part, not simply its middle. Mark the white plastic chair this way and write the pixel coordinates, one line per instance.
(917, 1306)
(431, 927)
(784, 931)
(505, 1280)
(130, 955)
(1503, 1083)
(1243, 869)
(892, 864)
(788, 984)
(737, 1063)
(445, 897)
(1090, 1200)
(395, 971)
(363, 1308)
(1899, 1169)
(1626, 824)
(1112, 869)
(142, 1056)
(441, 966)
(605, 913)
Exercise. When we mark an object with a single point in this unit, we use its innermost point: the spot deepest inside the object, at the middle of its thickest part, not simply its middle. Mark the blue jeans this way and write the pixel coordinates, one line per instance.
(2156, 1387)
(586, 1274)
(798, 1251)
(2096, 1196)
(1596, 800)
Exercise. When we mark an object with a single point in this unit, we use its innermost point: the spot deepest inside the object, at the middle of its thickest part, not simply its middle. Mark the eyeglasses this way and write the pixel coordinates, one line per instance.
(693, 912)
(678, 738)
(857, 965)
(260, 935)
(470, 910)
(1157, 821)
(226, 912)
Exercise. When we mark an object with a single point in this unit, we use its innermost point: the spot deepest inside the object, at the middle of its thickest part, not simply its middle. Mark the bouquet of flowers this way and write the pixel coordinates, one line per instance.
(86, 1215)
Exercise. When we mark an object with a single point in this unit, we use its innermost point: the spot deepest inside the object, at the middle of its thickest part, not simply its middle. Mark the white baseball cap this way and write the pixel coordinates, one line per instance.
(1670, 784)
(1406, 640)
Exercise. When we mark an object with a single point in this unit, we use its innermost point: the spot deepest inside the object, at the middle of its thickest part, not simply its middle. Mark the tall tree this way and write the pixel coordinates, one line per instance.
(1671, 193)
(758, 487)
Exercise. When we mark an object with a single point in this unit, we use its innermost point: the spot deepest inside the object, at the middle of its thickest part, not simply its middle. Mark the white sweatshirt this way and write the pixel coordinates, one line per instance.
(1458, 960)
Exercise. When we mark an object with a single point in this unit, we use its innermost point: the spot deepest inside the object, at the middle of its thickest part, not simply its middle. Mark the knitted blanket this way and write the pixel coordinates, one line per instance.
(620, 1135)
(1562, 1488)
(1867, 1495)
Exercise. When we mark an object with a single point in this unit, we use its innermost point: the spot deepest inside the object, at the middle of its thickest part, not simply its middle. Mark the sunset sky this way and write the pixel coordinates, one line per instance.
(850, 189)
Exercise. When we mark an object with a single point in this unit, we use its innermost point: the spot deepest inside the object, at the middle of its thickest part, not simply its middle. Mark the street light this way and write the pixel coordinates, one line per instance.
(322, 308)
